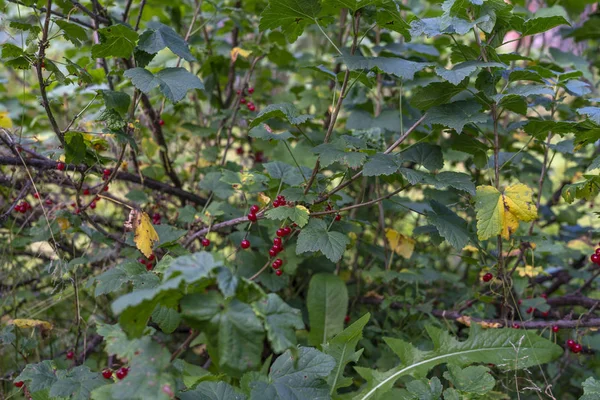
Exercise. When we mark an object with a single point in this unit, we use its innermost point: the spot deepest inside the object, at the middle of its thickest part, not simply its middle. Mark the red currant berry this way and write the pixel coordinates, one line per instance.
(576, 348)
(287, 230)
(156, 216)
(544, 296)
(555, 329)
(245, 244)
(70, 355)
(530, 310)
(276, 265)
(106, 172)
(595, 258)
(205, 242)
(122, 372)
(545, 314)
(36, 195)
(272, 252)
(259, 157)
(278, 272)
(60, 166)
(93, 205)
(347, 319)
(243, 100)
(19, 384)
(277, 241)
(254, 209)
(86, 192)
(280, 232)
(276, 203)
(143, 261)
(239, 151)
(161, 122)
(278, 248)
(48, 202)
(105, 188)
(107, 373)
(598, 251)
(487, 277)
(251, 107)
(149, 266)
(570, 343)
(77, 211)
(516, 326)
(239, 92)
(338, 217)
(152, 257)
(252, 217)
(251, 90)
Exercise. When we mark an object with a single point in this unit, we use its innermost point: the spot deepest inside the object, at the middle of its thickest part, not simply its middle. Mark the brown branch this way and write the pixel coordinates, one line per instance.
(44, 9)
(121, 176)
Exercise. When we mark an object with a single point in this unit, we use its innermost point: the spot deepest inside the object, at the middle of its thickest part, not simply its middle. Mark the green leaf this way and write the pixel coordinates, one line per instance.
(592, 113)
(158, 36)
(342, 347)
(336, 152)
(227, 281)
(290, 15)
(116, 341)
(544, 19)
(362, 120)
(298, 376)
(381, 164)
(586, 189)
(212, 183)
(524, 91)
(449, 225)
(289, 174)
(286, 111)
(174, 83)
(167, 318)
(456, 115)
(399, 67)
(327, 303)
(389, 17)
(38, 376)
(118, 101)
(425, 154)
(451, 394)
(281, 322)
(463, 70)
(472, 380)
(212, 391)
(297, 214)
(115, 41)
(315, 237)
(73, 33)
(434, 94)
(261, 132)
(75, 148)
(111, 281)
(591, 389)
(507, 348)
(425, 389)
(76, 383)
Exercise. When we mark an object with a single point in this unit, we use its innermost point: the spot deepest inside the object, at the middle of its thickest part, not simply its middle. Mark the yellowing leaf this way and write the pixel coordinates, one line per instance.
(530, 271)
(5, 121)
(470, 248)
(63, 223)
(144, 233)
(500, 213)
(239, 51)
(263, 199)
(31, 323)
(402, 245)
(466, 320)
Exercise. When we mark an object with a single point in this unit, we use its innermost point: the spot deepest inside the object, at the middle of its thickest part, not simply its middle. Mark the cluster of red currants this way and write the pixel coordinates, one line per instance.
(595, 258)
(273, 251)
(574, 346)
(23, 207)
(121, 373)
(280, 201)
(106, 174)
(329, 208)
(487, 277)
(148, 262)
(156, 217)
(249, 104)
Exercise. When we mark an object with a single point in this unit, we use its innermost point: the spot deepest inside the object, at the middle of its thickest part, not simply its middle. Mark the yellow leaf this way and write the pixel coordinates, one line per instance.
(530, 271)
(402, 245)
(500, 213)
(5, 121)
(263, 199)
(144, 233)
(31, 323)
(470, 248)
(63, 223)
(466, 320)
(239, 51)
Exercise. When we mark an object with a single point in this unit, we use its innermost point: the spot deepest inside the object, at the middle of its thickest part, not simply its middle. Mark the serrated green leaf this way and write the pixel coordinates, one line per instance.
(290, 15)
(281, 322)
(73, 33)
(336, 152)
(212, 182)
(289, 174)
(227, 281)
(118, 101)
(399, 67)
(425, 154)
(327, 303)
(591, 389)
(543, 20)
(115, 41)
(508, 348)
(158, 36)
(434, 94)
(300, 377)
(297, 214)
(586, 189)
(315, 237)
(212, 391)
(463, 70)
(260, 132)
(449, 225)
(286, 111)
(174, 83)
(425, 389)
(342, 347)
(167, 318)
(592, 113)
(76, 383)
(472, 380)
(381, 164)
(456, 115)
(38, 376)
